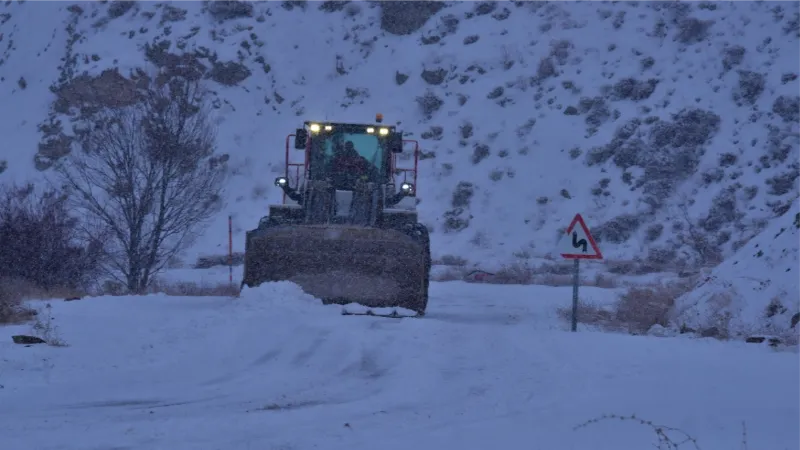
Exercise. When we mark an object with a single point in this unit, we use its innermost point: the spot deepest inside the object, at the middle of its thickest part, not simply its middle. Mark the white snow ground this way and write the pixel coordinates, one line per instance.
(489, 367)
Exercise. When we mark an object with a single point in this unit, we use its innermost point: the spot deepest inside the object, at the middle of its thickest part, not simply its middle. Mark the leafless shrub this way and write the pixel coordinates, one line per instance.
(636, 311)
(429, 104)
(590, 314)
(692, 31)
(39, 242)
(639, 308)
(12, 306)
(146, 181)
(45, 329)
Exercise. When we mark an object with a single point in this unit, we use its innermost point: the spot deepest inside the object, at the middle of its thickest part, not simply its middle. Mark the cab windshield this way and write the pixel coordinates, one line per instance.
(367, 145)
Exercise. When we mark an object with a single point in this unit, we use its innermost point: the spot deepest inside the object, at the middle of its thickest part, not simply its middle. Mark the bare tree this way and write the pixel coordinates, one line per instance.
(147, 178)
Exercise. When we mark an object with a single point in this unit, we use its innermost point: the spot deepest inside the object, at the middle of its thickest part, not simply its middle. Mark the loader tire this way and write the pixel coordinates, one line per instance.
(421, 232)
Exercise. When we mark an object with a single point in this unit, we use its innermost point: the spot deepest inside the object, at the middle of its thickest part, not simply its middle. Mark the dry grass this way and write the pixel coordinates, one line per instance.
(642, 307)
(450, 260)
(521, 273)
(521, 270)
(208, 261)
(637, 310)
(176, 288)
(599, 280)
(517, 273)
(14, 293)
(14, 310)
(591, 314)
(25, 290)
(192, 289)
(553, 270)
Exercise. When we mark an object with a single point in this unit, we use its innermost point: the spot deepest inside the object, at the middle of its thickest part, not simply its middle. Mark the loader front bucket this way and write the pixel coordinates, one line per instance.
(374, 267)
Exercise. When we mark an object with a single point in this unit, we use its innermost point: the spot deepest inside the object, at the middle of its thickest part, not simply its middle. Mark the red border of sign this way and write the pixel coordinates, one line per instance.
(579, 220)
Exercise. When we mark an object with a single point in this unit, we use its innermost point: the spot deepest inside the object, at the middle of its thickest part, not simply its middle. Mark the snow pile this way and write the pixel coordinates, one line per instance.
(285, 298)
(648, 118)
(756, 291)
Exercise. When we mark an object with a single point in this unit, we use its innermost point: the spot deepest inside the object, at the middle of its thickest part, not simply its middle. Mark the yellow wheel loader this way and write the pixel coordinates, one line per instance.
(347, 230)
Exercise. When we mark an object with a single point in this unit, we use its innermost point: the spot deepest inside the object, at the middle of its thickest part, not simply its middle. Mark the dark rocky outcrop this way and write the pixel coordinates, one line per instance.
(119, 8)
(229, 73)
(27, 340)
(109, 89)
(406, 17)
(226, 10)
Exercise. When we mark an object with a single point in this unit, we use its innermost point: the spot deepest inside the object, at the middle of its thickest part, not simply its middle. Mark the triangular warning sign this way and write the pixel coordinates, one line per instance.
(578, 243)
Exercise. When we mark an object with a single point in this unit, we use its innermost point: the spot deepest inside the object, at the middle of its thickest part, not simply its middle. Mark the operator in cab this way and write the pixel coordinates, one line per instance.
(348, 167)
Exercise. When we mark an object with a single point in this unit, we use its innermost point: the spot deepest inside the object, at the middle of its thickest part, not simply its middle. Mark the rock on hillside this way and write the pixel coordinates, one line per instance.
(756, 291)
(671, 126)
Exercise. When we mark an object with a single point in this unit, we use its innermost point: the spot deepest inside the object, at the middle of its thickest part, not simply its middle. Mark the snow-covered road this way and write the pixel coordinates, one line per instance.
(489, 367)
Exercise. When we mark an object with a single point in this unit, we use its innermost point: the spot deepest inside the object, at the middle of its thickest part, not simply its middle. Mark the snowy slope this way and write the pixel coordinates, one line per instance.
(274, 370)
(756, 291)
(621, 111)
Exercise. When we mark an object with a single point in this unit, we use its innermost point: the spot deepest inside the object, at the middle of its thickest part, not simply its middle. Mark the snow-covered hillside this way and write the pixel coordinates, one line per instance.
(672, 127)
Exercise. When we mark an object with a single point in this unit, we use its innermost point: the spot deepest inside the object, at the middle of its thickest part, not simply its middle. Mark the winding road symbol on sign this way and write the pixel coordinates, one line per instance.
(578, 243)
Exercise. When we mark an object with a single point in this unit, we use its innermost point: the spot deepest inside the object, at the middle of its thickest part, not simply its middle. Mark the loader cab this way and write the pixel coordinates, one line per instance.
(346, 153)
(347, 160)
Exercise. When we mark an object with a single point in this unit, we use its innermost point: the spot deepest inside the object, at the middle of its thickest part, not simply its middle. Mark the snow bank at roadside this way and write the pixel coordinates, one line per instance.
(756, 291)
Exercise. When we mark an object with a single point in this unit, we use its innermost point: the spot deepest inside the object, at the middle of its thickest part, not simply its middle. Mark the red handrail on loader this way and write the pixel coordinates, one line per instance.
(296, 166)
(406, 170)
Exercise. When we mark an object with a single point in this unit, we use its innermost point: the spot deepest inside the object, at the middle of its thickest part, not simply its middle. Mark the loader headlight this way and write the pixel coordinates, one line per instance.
(407, 188)
(314, 127)
(281, 182)
(370, 130)
(328, 127)
(383, 131)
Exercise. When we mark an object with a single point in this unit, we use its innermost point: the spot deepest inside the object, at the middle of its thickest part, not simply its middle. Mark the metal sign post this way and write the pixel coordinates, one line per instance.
(576, 282)
(230, 250)
(578, 238)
